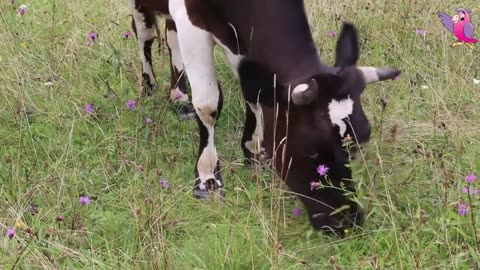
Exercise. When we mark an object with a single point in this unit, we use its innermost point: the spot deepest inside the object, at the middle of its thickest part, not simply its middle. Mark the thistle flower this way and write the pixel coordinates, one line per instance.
(10, 233)
(313, 185)
(127, 35)
(89, 108)
(462, 208)
(164, 183)
(22, 9)
(322, 169)
(131, 104)
(149, 121)
(470, 178)
(61, 218)
(92, 36)
(84, 200)
(332, 33)
(297, 212)
(420, 32)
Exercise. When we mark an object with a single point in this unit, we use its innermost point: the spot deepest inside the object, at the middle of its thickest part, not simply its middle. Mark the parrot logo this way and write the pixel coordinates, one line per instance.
(460, 25)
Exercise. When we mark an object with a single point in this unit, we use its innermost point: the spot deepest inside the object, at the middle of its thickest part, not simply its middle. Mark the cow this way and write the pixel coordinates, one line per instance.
(298, 109)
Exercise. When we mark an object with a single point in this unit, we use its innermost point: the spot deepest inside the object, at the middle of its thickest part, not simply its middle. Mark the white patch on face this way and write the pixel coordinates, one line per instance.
(255, 144)
(172, 43)
(196, 47)
(339, 110)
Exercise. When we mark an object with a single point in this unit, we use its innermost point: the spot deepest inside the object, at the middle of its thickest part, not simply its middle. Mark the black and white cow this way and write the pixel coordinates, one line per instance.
(297, 108)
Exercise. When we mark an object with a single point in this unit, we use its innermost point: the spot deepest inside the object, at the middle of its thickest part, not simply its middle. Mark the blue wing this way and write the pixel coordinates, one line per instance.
(446, 20)
(468, 30)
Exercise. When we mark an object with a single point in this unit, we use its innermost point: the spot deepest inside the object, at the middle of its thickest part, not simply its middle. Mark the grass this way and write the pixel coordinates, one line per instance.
(425, 140)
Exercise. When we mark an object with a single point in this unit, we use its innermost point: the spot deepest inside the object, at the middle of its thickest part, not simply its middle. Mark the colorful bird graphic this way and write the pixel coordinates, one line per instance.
(460, 26)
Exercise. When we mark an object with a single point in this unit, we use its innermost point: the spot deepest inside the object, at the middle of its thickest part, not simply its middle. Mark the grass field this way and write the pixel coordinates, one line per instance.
(425, 141)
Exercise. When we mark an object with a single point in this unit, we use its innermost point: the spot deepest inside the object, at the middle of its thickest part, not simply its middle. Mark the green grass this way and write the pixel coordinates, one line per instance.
(423, 144)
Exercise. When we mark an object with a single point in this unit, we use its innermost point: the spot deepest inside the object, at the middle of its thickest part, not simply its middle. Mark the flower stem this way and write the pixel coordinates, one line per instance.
(472, 216)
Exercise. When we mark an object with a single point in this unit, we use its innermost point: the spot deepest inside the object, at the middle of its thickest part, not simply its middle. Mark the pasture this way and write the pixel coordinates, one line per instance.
(140, 214)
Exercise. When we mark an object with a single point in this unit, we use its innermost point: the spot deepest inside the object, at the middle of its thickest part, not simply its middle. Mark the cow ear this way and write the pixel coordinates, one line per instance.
(347, 51)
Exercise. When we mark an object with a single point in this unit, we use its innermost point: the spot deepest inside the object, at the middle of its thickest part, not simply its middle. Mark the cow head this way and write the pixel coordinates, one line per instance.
(322, 111)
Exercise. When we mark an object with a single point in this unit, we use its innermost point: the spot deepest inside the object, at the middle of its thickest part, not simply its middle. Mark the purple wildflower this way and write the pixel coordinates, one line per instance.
(131, 104)
(32, 208)
(10, 233)
(92, 36)
(89, 108)
(127, 34)
(322, 169)
(420, 32)
(313, 185)
(397, 78)
(22, 9)
(179, 95)
(12, 1)
(332, 33)
(61, 218)
(474, 191)
(149, 121)
(462, 208)
(465, 189)
(297, 212)
(84, 200)
(470, 178)
(164, 183)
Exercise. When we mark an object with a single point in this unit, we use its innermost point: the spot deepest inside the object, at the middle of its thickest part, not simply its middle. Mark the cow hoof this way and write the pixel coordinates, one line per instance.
(186, 112)
(211, 187)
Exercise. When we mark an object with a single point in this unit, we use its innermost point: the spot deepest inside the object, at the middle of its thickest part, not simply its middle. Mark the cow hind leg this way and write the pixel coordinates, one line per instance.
(252, 139)
(178, 89)
(196, 46)
(143, 24)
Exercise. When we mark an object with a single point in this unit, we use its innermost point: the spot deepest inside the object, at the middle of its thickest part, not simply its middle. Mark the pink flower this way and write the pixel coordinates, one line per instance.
(61, 218)
(322, 169)
(149, 121)
(164, 183)
(22, 9)
(131, 104)
(465, 189)
(127, 34)
(179, 95)
(470, 178)
(297, 212)
(332, 33)
(92, 36)
(397, 78)
(474, 191)
(84, 200)
(313, 185)
(420, 32)
(89, 108)
(462, 209)
(10, 233)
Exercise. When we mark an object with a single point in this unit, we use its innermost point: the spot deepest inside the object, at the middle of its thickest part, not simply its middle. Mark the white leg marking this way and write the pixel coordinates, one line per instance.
(339, 110)
(143, 34)
(177, 62)
(255, 144)
(233, 59)
(196, 46)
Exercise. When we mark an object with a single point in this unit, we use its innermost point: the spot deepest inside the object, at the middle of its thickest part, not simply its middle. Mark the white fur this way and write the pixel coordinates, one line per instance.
(339, 110)
(255, 144)
(233, 59)
(172, 42)
(196, 46)
(143, 34)
(300, 88)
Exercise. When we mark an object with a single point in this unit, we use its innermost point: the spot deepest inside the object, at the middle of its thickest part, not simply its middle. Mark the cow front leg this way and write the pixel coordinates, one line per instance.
(196, 47)
(252, 139)
(143, 24)
(178, 89)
